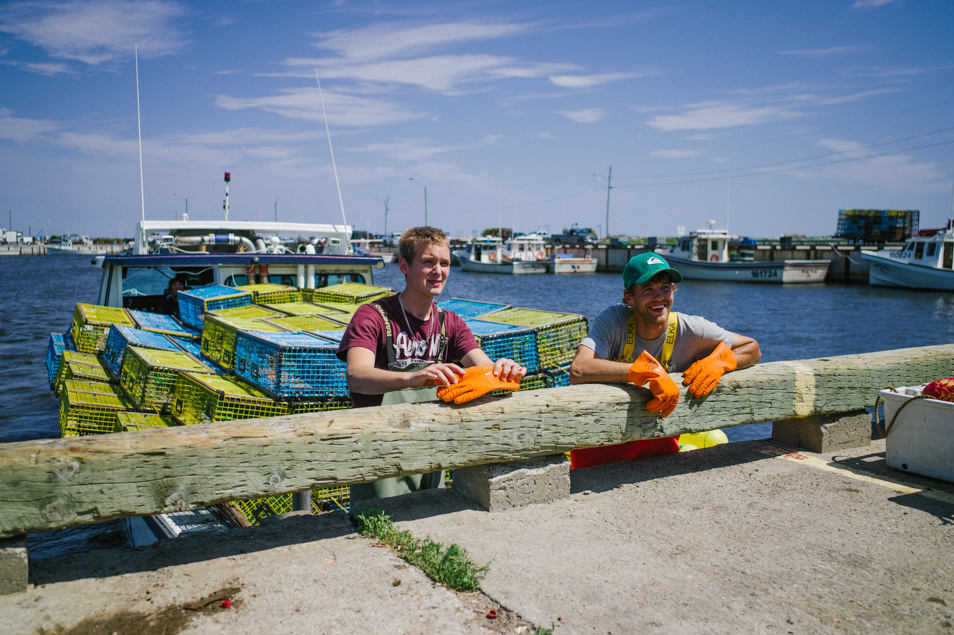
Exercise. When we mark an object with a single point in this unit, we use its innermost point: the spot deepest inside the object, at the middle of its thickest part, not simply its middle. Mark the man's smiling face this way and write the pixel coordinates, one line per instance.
(651, 302)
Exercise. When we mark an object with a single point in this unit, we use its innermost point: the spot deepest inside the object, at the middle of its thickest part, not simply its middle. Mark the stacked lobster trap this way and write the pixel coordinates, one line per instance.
(257, 351)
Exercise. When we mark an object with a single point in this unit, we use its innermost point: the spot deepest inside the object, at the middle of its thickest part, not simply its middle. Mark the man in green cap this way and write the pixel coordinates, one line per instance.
(641, 340)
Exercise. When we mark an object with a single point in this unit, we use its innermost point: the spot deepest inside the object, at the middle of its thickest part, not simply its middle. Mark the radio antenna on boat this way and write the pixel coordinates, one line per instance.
(334, 167)
(142, 195)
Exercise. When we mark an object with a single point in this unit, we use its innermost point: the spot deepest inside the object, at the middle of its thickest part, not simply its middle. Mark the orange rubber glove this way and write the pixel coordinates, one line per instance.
(664, 389)
(705, 374)
(476, 382)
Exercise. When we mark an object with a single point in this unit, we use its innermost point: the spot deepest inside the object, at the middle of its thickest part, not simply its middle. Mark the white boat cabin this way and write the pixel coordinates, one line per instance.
(935, 251)
(706, 245)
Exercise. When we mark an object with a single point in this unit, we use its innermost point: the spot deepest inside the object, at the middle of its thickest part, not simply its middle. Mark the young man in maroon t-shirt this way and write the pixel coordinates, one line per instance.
(400, 348)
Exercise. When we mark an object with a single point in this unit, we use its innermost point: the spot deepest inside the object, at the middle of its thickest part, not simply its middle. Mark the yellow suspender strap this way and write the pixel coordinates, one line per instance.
(629, 348)
(670, 342)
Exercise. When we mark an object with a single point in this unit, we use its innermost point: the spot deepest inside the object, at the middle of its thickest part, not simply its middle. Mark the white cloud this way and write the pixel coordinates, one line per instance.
(587, 115)
(712, 116)
(675, 154)
(588, 81)
(387, 42)
(49, 69)
(825, 52)
(343, 109)
(21, 130)
(96, 32)
(871, 4)
(858, 165)
(439, 73)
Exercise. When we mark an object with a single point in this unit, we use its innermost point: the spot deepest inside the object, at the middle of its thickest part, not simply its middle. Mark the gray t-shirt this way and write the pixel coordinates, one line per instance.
(695, 338)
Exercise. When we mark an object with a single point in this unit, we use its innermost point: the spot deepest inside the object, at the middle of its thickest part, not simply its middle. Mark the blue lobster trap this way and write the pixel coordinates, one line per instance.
(506, 340)
(290, 364)
(159, 323)
(195, 303)
(122, 336)
(54, 355)
(470, 308)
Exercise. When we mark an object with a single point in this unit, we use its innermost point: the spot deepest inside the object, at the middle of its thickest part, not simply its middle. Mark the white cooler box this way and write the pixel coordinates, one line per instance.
(922, 437)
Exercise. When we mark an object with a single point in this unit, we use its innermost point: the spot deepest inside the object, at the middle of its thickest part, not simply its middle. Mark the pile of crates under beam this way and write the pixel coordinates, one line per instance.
(257, 351)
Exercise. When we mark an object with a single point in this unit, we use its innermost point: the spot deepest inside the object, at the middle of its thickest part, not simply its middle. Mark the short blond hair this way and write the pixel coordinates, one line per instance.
(426, 234)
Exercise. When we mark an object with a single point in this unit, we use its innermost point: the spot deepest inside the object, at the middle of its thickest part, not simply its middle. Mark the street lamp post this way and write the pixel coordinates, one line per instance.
(411, 178)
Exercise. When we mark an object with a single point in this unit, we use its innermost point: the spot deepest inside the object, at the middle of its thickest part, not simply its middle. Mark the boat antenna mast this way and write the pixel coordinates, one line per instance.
(225, 203)
(950, 223)
(142, 195)
(334, 166)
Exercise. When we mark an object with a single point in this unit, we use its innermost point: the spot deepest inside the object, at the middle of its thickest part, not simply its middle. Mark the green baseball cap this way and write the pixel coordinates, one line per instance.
(640, 269)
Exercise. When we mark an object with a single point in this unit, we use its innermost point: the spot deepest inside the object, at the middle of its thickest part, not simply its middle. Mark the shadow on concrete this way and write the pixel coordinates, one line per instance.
(201, 546)
(608, 477)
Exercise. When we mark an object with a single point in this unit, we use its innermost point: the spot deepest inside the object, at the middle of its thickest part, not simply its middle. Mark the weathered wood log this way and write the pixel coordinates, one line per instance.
(59, 483)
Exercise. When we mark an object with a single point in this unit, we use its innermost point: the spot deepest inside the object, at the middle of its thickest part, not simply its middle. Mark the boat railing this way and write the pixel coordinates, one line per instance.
(58, 483)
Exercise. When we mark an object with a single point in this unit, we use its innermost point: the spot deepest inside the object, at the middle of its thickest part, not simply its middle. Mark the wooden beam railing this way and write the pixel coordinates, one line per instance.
(57, 483)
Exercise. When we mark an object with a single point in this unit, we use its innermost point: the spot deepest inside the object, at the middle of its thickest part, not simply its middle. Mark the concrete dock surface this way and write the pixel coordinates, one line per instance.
(740, 538)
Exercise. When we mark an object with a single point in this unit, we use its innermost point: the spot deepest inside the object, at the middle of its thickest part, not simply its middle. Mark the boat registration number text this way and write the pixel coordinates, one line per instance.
(764, 273)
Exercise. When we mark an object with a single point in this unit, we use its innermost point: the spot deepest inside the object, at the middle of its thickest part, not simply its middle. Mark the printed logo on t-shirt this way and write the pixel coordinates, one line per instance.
(410, 351)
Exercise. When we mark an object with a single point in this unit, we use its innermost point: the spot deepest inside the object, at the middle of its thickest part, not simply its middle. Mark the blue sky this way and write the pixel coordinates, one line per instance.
(764, 116)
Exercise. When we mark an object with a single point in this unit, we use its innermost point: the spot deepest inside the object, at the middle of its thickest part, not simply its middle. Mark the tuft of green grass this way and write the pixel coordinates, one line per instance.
(451, 567)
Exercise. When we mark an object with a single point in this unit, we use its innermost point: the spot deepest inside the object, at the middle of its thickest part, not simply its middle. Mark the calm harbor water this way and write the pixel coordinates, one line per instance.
(790, 322)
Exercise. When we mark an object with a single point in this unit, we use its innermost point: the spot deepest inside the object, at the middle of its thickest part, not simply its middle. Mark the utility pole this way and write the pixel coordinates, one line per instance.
(609, 187)
(386, 235)
(276, 208)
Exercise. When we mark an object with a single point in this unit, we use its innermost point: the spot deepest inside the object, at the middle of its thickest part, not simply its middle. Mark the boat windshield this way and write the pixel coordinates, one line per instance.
(153, 281)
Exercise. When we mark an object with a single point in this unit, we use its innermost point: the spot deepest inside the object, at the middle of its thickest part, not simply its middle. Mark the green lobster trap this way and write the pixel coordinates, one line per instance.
(149, 375)
(341, 311)
(132, 421)
(247, 312)
(83, 412)
(204, 398)
(295, 308)
(76, 365)
(218, 336)
(558, 335)
(346, 292)
(267, 293)
(91, 325)
(308, 323)
(323, 404)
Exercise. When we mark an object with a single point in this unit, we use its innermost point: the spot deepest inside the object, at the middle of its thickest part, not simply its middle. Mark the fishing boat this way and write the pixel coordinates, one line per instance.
(704, 255)
(517, 255)
(373, 247)
(925, 262)
(75, 245)
(569, 263)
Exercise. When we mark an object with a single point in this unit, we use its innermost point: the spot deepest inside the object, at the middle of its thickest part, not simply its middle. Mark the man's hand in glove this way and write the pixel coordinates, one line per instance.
(664, 389)
(476, 382)
(703, 376)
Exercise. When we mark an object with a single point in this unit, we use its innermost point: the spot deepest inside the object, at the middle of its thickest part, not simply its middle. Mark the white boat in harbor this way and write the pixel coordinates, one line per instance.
(517, 255)
(568, 263)
(704, 255)
(925, 262)
(79, 245)
(373, 247)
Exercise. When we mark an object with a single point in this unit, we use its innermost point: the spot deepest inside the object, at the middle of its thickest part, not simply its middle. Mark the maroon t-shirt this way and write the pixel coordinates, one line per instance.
(420, 344)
